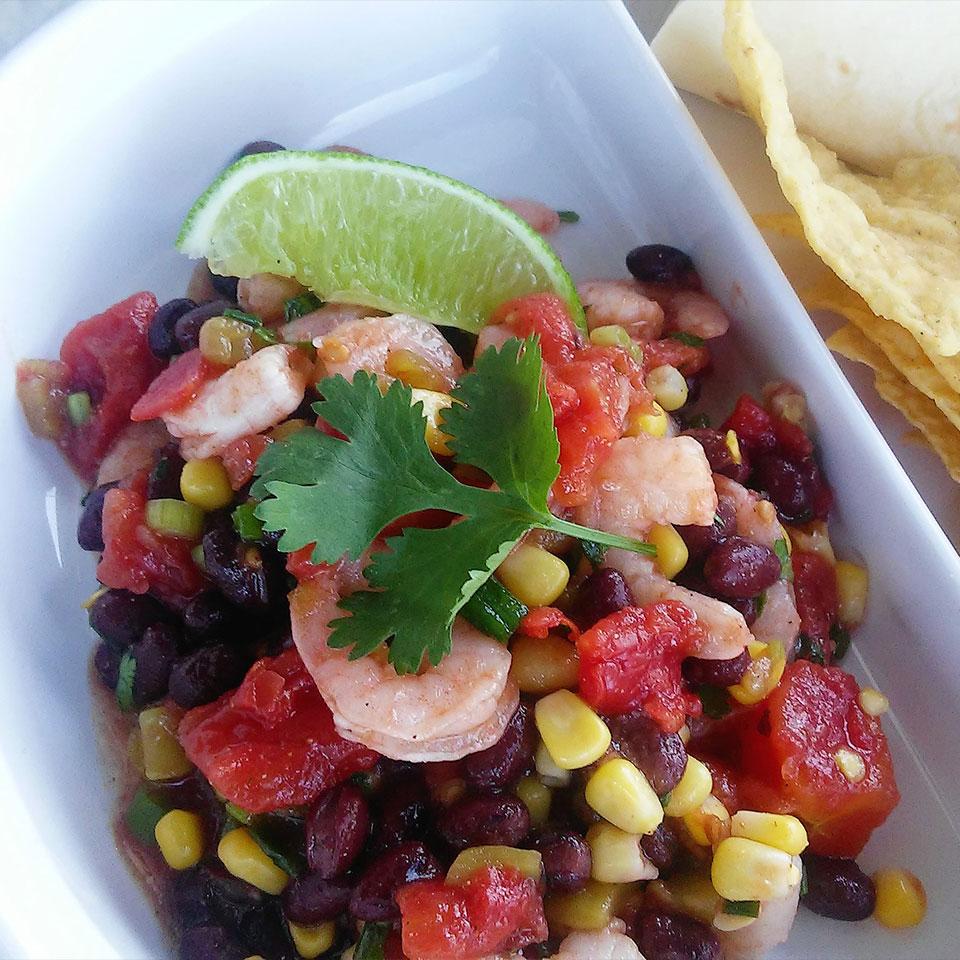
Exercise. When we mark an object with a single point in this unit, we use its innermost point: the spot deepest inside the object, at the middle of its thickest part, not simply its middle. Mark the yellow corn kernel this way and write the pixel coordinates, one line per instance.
(548, 772)
(690, 893)
(469, 861)
(901, 899)
(536, 796)
(813, 537)
(179, 836)
(413, 370)
(616, 336)
(764, 673)
(851, 764)
(572, 732)
(672, 553)
(542, 665)
(873, 702)
(205, 484)
(668, 386)
(775, 829)
(709, 824)
(746, 870)
(733, 445)
(621, 794)
(244, 858)
(433, 405)
(311, 941)
(226, 341)
(255, 956)
(617, 856)
(534, 576)
(163, 757)
(652, 424)
(852, 585)
(755, 648)
(287, 429)
(694, 787)
(591, 908)
(731, 922)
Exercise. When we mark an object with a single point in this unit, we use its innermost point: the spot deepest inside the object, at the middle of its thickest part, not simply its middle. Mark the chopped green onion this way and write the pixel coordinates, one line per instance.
(715, 701)
(238, 813)
(264, 337)
(783, 555)
(665, 799)
(251, 319)
(297, 307)
(593, 551)
(494, 610)
(742, 908)
(690, 339)
(568, 216)
(840, 636)
(196, 554)
(699, 421)
(128, 670)
(809, 648)
(143, 815)
(246, 523)
(78, 407)
(175, 518)
(614, 335)
(372, 938)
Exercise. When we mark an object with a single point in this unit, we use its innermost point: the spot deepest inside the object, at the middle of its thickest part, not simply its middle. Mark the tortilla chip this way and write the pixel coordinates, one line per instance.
(895, 240)
(921, 411)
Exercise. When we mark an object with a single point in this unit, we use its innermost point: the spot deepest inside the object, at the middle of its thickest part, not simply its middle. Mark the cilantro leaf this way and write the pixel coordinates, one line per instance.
(782, 551)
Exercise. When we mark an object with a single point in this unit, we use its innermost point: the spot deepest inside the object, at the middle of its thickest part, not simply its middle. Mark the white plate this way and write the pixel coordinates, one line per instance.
(118, 114)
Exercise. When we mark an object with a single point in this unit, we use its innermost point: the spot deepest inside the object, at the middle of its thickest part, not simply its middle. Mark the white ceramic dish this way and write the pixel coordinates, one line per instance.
(118, 114)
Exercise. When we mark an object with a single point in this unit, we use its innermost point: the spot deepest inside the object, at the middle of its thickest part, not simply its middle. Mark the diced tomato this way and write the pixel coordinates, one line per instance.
(753, 425)
(789, 754)
(544, 314)
(424, 519)
(689, 360)
(109, 358)
(793, 444)
(139, 559)
(632, 659)
(541, 620)
(176, 386)
(240, 458)
(271, 743)
(815, 586)
(563, 398)
(497, 910)
(301, 566)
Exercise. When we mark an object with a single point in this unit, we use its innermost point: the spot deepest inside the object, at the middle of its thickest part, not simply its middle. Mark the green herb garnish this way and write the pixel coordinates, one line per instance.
(568, 216)
(245, 522)
(237, 813)
(339, 494)
(495, 611)
(594, 552)
(125, 678)
(699, 421)
(715, 701)
(690, 339)
(762, 602)
(78, 408)
(297, 307)
(264, 337)
(809, 648)
(782, 551)
(251, 319)
(840, 636)
(143, 815)
(372, 938)
(742, 908)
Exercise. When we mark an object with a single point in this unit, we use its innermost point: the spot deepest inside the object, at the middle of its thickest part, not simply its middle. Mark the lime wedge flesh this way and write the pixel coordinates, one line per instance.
(383, 234)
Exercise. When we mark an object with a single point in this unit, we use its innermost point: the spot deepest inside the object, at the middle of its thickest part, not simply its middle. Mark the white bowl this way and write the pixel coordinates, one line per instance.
(117, 115)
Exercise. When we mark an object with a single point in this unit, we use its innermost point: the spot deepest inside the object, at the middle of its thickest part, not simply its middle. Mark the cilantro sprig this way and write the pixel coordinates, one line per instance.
(339, 494)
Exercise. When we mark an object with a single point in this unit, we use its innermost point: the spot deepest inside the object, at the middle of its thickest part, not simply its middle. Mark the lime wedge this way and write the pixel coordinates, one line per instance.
(383, 234)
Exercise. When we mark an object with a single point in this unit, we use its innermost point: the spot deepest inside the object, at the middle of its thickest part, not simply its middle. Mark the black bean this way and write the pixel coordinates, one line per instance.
(187, 330)
(508, 758)
(701, 539)
(208, 614)
(719, 455)
(787, 486)
(403, 813)
(838, 888)
(225, 286)
(718, 673)
(161, 334)
(315, 899)
(661, 847)
(106, 661)
(662, 935)
(659, 263)
(90, 525)
(373, 897)
(120, 617)
(602, 593)
(238, 569)
(154, 654)
(209, 942)
(184, 900)
(256, 146)
(740, 569)
(337, 828)
(164, 480)
(660, 756)
(566, 860)
(487, 818)
(204, 675)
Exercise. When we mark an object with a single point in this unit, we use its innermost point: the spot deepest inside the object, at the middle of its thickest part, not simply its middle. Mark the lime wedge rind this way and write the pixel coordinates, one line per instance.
(376, 232)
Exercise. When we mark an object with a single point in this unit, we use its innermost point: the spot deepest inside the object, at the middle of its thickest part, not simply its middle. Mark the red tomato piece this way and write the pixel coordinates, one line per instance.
(301, 566)
(753, 425)
(109, 358)
(494, 911)
(544, 314)
(790, 754)
(176, 386)
(541, 620)
(139, 559)
(424, 519)
(240, 458)
(815, 586)
(689, 360)
(271, 743)
(793, 444)
(632, 659)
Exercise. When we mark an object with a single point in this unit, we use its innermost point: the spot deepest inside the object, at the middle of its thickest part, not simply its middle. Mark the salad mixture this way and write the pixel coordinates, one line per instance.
(444, 619)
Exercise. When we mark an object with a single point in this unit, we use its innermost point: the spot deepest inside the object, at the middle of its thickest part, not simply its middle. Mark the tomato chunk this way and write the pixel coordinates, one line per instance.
(546, 315)
(137, 558)
(271, 743)
(176, 386)
(240, 458)
(753, 425)
(689, 360)
(494, 911)
(792, 749)
(815, 587)
(632, 659)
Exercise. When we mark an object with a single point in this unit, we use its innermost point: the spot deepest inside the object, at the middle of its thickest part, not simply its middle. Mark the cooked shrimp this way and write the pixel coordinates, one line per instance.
(611, 943)
(266, 295)
(621, 303)
(648, 480)
(444, 713)
(779, 619)
(689, 311)
(493, 335)
(756, 518)
(543, 219)
(135, 448)
(769, 930)
(320, 322)
(365, 344)
(255, 394)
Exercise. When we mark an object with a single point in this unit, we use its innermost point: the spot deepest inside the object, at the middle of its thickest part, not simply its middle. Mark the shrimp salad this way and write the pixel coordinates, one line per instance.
(622, 753)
